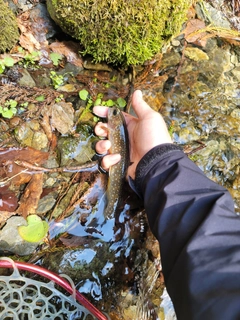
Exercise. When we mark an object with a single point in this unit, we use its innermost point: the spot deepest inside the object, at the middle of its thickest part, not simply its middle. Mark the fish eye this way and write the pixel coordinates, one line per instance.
(115, 112)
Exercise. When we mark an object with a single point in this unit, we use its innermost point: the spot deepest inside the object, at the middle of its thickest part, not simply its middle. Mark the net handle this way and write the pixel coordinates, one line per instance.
(57, 279)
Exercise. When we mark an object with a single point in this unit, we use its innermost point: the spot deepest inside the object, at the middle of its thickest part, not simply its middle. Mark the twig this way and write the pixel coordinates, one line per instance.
(33, 167)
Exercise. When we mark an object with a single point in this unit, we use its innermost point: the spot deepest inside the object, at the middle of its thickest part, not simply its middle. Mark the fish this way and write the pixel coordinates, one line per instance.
(118, 136)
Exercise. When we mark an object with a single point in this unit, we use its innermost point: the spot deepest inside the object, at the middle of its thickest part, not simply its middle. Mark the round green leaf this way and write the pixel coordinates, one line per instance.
(36, 229)
(2, 67)
(8, 61)
(40, 98)
(8, 113)
(55, 57)
(121, 102)
(98, 102)
(83, 94)
(110, 103)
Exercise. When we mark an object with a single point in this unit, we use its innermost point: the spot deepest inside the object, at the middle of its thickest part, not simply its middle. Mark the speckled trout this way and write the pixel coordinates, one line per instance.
(118, 135)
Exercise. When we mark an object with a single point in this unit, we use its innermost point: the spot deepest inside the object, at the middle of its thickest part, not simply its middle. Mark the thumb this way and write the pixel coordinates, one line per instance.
(140, 107)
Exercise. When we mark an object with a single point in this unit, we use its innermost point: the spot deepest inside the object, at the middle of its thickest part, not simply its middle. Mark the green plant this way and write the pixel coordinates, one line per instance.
(8, 110)
(59, 98)
(128, 32)
(8, 26)
(6, 62)
(30, 59)
(85, 96)
(36, 229)
(40, 98)
(55, 57)
(57, 79)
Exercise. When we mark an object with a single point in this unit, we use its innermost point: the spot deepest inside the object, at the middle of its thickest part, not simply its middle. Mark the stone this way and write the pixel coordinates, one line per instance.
(11, 241)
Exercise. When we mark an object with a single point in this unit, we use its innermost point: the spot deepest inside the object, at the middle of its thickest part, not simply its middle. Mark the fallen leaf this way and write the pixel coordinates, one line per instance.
(9, 169)
(74, 241)
(62, 115)
(67, 88)
(45, 123)
(31, 196)
(8, 200)
(27, 39)
(70, 50)
(193, 32)
(36, 229)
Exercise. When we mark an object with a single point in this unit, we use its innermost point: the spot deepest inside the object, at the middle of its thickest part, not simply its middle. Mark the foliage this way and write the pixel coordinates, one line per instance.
(30, 59)
(8, 28)
(57, 79)
(128, 32)
(55, 57)
(85, 96)
(6, 62)
(8, 110)
(40, 98)
(36, 229)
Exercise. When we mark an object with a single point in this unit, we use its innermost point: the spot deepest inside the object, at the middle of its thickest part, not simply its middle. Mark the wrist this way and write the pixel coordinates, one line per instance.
(151, 158)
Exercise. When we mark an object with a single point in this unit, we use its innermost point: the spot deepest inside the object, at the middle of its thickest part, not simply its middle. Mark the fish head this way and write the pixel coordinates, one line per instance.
(115, 118)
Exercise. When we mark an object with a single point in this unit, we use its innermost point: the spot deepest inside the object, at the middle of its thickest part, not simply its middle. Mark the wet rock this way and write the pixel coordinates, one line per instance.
(195, 54)
(39, 141)
(46, 203)
(41, 78)
(30, 134)
(23, 5)
(26, 80)
(10, 239)
(79, 149)
(88, 64)
(42, 26)
(62, 115)
(170, 59)
(214, 16)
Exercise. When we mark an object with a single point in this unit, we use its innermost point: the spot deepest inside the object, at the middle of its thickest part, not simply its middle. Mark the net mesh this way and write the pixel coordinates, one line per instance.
(26, 298)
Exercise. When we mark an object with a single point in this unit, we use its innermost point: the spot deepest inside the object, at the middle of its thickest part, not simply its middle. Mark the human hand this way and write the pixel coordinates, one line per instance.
(146, 131)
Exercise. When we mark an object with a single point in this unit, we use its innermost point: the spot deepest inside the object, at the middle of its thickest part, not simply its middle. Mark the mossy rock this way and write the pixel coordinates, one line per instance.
(120, 31)
(9, 34)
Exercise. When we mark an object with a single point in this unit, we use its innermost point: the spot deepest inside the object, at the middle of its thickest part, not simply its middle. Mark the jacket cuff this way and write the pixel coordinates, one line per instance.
(148, 161)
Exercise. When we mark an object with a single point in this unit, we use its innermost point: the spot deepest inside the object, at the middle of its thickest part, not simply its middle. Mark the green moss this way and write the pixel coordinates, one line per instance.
(120, 31)
(8, 28)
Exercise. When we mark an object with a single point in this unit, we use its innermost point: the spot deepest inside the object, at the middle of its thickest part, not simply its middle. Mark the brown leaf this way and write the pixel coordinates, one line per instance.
(62, 115)
(27, 39)
(74, 241)
(193, 32)
(70, 50)
(8, 200)
(30, 198)
(45, 123)
(9, 169)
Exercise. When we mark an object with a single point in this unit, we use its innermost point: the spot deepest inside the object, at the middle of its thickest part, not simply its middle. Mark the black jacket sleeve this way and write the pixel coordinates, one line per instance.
(199, 234)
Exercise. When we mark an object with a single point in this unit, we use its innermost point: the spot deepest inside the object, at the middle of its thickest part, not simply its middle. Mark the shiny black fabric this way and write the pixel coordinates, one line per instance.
(199, 234)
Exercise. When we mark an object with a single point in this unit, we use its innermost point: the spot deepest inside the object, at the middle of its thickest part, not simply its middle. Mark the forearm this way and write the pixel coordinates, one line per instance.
(193, 218)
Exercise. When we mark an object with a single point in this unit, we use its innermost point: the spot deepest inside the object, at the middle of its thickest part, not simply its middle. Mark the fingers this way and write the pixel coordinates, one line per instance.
(101, 111)
(109, 160)
(103, 146)
(101, 129)
(139, 105)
